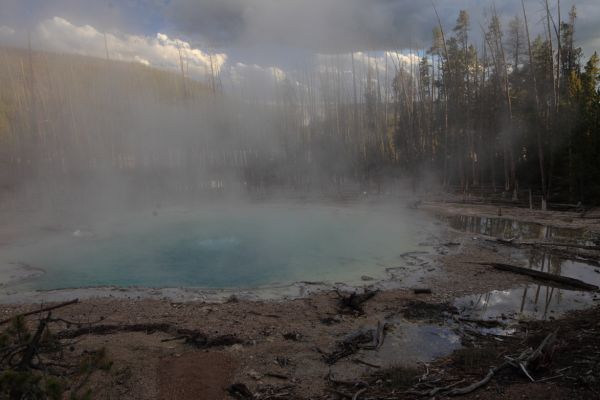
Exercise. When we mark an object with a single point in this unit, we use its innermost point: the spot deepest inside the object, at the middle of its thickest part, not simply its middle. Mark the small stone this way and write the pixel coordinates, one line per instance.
(254, 375)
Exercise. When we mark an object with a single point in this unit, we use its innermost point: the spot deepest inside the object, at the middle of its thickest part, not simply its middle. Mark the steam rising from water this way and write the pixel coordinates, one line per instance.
(228, 246)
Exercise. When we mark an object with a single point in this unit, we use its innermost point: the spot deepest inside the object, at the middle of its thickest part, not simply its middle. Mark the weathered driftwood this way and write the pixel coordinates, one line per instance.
(563, 280)
(422, 291)
(369, 340)
(191, 337)
(33, 345)
(526, 358)
(515, 242)
(41, 310)
(368, 364)
(588, 254)
(112, 329)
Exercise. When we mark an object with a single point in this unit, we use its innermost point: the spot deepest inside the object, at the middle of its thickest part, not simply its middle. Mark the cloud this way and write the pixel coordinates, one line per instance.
(342, 26)
(319, 25)
(6, 31)
(59, 35)
(252, 81)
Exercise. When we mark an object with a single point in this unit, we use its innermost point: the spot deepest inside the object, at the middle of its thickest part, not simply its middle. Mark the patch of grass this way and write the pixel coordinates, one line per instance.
(25, 376)
(29, 385)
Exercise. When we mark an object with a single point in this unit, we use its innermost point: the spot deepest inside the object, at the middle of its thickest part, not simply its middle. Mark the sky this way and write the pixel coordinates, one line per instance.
(247, 39)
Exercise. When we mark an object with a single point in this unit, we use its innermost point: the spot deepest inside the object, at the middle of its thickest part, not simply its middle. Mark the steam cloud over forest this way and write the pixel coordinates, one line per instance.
(192, 98)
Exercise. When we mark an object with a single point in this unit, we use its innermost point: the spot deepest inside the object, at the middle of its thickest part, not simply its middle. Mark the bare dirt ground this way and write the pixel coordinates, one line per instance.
(282, 343)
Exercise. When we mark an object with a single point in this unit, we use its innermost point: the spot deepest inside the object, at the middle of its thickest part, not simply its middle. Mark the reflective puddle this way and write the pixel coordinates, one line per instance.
(509, 228)
(532, 301)
(524, 303)
(408, 343)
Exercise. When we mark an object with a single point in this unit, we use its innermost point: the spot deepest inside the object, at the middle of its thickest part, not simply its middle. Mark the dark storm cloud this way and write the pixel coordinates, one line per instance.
(133, 16)
(320, 25)
(311, 25)
(345, 25)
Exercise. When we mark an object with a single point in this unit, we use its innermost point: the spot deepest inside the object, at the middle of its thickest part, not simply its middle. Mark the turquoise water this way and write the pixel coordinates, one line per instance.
(228, 247)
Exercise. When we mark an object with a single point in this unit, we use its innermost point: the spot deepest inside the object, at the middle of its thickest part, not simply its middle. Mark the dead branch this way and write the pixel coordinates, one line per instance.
(112, 329)
(33, 345)
(357, 394)
(525, 358)
(41, 310)
(276, 375)
(563, 280)
(371, 339)
(422, 291)
(191, 337)
(368, 364)
(477, 385)
(515, 242)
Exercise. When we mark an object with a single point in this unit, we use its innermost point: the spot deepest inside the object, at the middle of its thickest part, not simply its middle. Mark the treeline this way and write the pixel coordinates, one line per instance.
(488, 110)
(518, 112)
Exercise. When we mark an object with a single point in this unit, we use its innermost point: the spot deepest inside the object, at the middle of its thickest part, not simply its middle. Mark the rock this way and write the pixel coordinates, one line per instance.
(254, 375)
(294, 335)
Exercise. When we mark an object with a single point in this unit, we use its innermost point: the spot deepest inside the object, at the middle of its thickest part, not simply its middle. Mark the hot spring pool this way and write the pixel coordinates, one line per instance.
(227, 247)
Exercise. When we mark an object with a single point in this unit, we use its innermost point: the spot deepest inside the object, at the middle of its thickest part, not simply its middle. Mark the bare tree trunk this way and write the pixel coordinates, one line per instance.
(540, 145)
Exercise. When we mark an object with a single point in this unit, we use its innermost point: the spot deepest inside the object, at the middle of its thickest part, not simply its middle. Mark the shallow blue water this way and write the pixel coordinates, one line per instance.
(218, 247)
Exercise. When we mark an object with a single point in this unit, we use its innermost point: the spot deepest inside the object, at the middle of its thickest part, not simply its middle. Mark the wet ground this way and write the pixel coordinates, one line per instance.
(469, 300)
(532, 301)
(508, 228)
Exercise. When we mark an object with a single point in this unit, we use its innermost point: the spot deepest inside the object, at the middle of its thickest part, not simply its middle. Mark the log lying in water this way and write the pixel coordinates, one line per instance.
(563, 280)
(517, 243)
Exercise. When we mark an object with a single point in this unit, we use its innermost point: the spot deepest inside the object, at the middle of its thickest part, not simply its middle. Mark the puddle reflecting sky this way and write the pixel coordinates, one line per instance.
(528, 302)
(548, 262)
(533, 301)
(410, 343)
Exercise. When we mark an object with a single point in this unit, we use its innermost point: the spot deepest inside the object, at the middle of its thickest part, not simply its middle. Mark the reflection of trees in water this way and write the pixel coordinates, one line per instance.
(543, 294)
(541, 299)
(501, 227)
(510, 228)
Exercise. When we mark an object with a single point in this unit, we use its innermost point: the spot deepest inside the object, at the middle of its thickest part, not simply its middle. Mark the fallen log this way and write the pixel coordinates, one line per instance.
(192, 337)
(422, 291)
(41, 310)
(563, 280)
(112, 329)
(515, 242)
